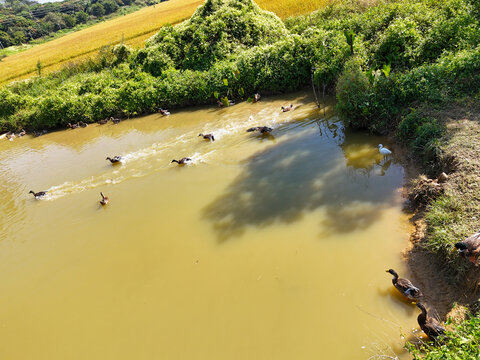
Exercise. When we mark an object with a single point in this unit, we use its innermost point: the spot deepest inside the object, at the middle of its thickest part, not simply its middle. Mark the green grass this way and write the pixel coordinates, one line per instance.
(460, 343)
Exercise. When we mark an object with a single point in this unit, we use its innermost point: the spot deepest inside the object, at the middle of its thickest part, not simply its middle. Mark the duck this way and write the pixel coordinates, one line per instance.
(72, 126)
(104, 200)
(163, 112)
(114, 120)
(82, 124)
(256, 97)
(287, 108)
(22, 133)
(261, 129)
(40, 133)
(470, 248)
(182, 161)
(115, 160)
(10, 136)
(383, 150)
(405, 286)
(102, 121)
(38, 195)
(208, 136)
(430, 326)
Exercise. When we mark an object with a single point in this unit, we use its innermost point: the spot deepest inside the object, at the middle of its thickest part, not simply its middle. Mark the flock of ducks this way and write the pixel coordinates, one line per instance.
(468, 249)
(430, 326)
(183, 161)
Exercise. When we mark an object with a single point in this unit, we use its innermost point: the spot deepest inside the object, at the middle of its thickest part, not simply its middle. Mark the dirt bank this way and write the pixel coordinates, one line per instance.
(444, 278)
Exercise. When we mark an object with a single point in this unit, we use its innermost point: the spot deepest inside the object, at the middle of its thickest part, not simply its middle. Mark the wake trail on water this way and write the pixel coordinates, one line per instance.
(158, 156)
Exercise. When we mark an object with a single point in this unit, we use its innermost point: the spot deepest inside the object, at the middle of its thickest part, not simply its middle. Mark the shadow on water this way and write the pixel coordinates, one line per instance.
(319, 167)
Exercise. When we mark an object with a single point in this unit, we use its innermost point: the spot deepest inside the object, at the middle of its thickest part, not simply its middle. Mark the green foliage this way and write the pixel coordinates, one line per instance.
(421, 134)
(217, 29)
(463, 342)
(97, 10)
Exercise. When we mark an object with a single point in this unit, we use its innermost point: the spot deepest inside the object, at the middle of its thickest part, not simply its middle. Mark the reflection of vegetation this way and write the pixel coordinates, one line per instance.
(296, 176)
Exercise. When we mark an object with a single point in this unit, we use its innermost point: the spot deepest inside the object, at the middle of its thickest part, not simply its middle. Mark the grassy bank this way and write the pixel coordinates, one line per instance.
(450, 216)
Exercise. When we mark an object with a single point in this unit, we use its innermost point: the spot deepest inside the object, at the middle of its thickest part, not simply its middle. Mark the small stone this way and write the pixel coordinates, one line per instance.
(442, 178)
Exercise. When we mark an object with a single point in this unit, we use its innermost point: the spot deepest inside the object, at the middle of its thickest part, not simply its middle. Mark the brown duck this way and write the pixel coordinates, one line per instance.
(405, 286)
(430, 326)
(261, 129)
(182, 161)
(207, 136)
(104, 200)
(287, 108)
(470, 248)
(115, 160)
(39, 194)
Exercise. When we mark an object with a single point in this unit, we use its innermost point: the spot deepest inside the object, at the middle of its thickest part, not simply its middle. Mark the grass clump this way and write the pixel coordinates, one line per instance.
(462, 341)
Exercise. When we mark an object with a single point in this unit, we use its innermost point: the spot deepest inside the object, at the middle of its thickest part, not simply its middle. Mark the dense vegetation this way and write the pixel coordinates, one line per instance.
(22, 21)
(405, 52)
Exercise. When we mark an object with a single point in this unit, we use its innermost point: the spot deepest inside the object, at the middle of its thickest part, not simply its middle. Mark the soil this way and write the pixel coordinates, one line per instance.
(446, 293)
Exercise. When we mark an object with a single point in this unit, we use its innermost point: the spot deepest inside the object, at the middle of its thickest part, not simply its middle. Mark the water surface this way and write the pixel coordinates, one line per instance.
(265, 247)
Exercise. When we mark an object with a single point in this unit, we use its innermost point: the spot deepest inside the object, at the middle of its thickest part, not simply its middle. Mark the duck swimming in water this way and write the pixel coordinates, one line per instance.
(163, 111)
(72, 126)
(104, 200)
(207, 136)
(261, 129)
(405, 286)
(430, 326)
(470, 248)
(38, 195)
(82, 124)
(114, 120)
(287, 108)
(102, 121)
(115, 160)
(383, 150)
(256, 97)
(182, 161)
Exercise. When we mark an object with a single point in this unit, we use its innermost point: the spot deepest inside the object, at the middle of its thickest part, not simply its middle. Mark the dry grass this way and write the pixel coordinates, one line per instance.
(287, 8)
(138, 25)
(135, 28)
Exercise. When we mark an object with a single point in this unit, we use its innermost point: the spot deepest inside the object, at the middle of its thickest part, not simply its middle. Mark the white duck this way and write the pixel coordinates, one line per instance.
(383, 150)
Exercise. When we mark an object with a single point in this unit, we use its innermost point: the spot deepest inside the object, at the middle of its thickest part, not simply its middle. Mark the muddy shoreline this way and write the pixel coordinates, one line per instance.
(449, 291)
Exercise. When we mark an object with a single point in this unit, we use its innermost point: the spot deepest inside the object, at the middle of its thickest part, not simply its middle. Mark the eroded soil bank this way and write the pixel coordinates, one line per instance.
(449, 282)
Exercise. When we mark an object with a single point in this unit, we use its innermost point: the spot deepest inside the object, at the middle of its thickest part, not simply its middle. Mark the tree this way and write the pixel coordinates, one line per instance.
(97, 10)
(69, 20)
(5, 39)
(82, 17)
(110, 6)
(18, 37)
(56, 20)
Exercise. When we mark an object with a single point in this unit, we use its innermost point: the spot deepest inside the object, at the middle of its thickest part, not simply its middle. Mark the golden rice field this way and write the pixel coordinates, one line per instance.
(134, 28)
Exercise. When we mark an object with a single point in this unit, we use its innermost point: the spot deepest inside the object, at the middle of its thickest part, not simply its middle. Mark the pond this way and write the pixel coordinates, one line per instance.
(264, 247)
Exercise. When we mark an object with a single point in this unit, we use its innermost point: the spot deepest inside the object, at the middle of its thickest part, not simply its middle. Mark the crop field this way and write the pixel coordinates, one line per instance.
(133, 28)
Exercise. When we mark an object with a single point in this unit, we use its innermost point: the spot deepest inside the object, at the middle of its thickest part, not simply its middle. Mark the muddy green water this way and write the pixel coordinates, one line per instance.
(265, 247)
